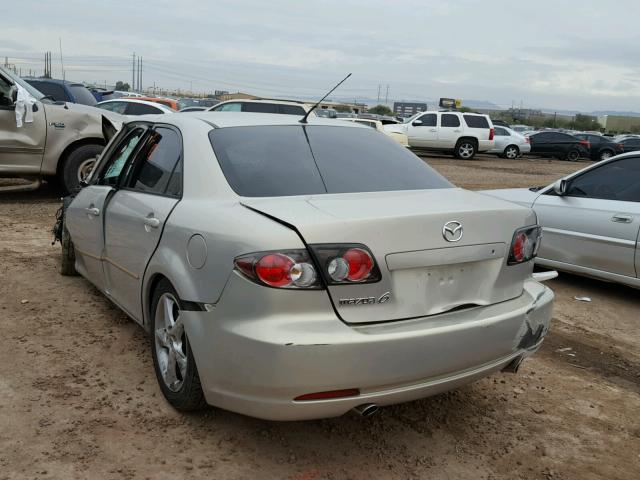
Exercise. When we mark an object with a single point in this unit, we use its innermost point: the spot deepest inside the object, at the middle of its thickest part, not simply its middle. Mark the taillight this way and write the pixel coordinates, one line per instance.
(286, 269)
(527, 140)
(586, 143)
(524, 245)
(492, 132)
(346, 263)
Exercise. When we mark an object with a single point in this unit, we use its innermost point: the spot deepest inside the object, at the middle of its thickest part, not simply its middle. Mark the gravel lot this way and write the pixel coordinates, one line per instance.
(79, 399)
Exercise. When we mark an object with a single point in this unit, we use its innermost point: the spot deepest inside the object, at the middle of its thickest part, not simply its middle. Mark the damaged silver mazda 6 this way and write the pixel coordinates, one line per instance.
(289, 270)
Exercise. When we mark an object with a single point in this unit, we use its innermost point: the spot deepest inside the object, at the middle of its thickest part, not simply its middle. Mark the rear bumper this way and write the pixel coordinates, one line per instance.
(257, 364)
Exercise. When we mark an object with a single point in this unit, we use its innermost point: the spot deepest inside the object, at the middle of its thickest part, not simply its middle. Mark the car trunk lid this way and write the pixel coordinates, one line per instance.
(422, 272)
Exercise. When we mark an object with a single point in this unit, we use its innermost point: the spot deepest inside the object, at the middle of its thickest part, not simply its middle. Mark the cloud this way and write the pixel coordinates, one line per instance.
(421, 48)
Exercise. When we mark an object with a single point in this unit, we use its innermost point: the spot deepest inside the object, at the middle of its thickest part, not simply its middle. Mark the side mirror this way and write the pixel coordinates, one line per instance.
(416, 123)
(561, 187)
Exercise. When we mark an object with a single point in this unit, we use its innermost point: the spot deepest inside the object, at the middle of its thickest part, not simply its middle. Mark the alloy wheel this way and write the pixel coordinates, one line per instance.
(605, 155)
(170, 342)
(511, 153)
(466, 150)
(85, 169)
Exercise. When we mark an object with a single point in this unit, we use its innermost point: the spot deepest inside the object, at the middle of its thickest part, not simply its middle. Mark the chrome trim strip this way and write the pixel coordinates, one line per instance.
(108, 260)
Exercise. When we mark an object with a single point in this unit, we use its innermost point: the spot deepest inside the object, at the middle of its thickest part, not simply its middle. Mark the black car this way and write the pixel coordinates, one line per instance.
(601, 148)
(559, 145)
(631, 144)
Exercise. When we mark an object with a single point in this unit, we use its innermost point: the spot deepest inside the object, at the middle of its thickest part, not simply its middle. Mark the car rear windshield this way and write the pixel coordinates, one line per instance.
(476, 121)
(282, 160)
(82, 95)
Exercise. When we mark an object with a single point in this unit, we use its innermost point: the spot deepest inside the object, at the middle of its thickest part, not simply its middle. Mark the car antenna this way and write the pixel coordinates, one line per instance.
(304, 119)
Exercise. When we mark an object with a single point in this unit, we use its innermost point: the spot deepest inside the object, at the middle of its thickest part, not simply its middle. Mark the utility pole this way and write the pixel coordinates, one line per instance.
(61, 62)
(379, 87)
(133, 73)
(386, 97)
(140, 74)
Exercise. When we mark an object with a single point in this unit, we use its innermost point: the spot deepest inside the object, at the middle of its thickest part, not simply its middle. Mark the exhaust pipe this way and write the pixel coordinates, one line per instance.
(366, 409)
(513, 365)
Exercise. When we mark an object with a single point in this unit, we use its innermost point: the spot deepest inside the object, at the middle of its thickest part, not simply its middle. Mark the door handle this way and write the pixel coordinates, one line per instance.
(93, 211)
(152, 222)
(619, 218)
(457, 131)
(433, 130)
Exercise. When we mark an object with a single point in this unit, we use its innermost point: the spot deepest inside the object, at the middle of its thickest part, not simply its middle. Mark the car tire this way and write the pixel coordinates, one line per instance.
(78, 165)
(173, 359)
(68, 260)
(606, 154)
(465, 149)
(511, 152)
(573, 155)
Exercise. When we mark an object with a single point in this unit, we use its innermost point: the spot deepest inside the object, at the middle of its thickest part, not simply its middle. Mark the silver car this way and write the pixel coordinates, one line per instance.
(509, 143)
(295, 271)
(591, 220)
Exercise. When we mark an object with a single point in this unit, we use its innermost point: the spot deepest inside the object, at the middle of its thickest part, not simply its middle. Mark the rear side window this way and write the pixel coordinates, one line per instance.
(273, 161)
(141, 109)
(476, 121)
(500, 132)
(118, 107)
(229, 107)
(260, 107)
(155, 164)
(449, 120)
(292, 110)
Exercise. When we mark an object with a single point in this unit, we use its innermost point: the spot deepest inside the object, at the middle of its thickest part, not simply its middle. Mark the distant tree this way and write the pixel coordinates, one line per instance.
(123, 87)
(585, 122)
(380, 110)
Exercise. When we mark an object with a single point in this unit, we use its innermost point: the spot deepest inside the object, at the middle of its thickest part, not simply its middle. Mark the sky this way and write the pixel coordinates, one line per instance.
(566, 55)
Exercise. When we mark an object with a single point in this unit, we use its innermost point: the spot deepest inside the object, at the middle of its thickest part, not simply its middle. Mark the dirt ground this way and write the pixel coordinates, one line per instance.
(79, 399)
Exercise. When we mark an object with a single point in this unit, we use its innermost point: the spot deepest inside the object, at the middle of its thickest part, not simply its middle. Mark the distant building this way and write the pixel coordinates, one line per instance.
(407, 109)
(619, 123)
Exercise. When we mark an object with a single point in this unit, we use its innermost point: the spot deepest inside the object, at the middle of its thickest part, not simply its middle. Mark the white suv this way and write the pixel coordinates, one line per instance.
(463, 134)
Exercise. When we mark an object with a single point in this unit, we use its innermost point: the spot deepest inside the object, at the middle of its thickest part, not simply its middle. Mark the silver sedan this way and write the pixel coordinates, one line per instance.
(509, 143)
(289, 270)
(590, 219)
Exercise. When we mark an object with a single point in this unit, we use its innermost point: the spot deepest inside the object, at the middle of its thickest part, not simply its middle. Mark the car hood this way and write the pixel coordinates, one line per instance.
(423, 273)
(70, 110)
(395, 128)
(521, 196)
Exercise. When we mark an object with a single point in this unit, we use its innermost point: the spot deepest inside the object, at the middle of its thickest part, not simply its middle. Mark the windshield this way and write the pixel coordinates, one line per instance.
(16, 79)
(274, 161)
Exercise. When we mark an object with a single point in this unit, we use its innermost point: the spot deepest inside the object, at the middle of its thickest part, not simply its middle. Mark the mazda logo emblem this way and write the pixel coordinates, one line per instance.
(452, 231)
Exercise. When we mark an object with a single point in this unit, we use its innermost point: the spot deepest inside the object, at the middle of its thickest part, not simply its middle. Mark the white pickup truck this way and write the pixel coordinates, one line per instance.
(61, 140)
(462, 134)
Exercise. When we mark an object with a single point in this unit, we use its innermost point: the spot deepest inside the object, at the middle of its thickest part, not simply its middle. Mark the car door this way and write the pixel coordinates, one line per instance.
(596, 224)
(449, 131)
(21, 149)
(423, 132)
(84, 217)
(136, 214)
(502, 138)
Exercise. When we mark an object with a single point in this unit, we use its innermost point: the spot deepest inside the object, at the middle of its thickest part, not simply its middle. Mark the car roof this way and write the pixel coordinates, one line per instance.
(136, 100)
(243, 119)
(265, 100)
(53, 80)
